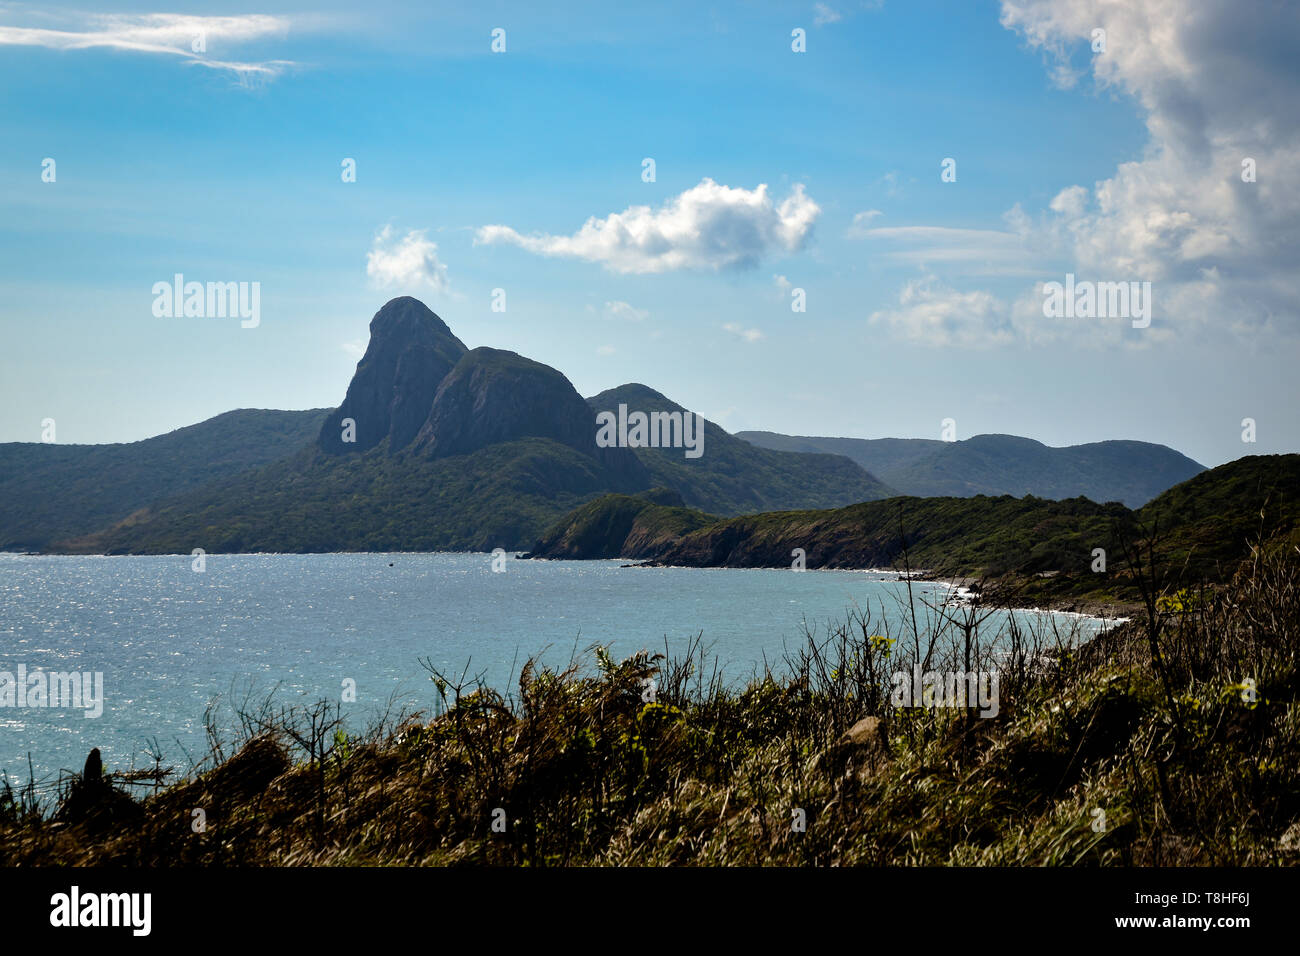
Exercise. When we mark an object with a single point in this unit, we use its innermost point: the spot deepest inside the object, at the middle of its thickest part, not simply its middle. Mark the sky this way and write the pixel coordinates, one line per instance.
(916, 175)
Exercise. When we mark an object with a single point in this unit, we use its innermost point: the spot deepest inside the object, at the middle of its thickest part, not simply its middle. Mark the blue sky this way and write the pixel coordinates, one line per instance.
(477, 171)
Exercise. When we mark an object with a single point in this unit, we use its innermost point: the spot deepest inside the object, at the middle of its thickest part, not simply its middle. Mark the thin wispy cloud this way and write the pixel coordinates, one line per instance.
(189, 37)
(618, 309)
(736, 329)
(861, 223)
(824, 14)
(968, 251)
(707, 227)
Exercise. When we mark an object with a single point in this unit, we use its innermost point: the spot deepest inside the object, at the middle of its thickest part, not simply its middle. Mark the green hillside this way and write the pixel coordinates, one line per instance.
(504, 496)
(1201, 529)
(734, 476)
(621, 526)
(50, 492)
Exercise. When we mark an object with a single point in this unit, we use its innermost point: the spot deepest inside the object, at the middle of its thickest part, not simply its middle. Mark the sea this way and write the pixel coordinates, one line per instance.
(173, 638)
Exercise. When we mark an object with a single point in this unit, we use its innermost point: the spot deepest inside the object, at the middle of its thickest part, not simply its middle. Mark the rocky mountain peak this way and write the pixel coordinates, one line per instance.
(411, 351)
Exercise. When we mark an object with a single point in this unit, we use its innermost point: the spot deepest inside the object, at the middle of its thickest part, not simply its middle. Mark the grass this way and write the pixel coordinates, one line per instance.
(1171, 739)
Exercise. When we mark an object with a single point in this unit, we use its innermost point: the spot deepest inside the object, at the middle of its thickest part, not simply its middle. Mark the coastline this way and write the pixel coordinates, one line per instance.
(961, 587)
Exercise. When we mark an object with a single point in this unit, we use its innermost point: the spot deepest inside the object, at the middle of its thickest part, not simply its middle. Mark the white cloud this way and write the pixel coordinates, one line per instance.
(1214, 87)
(861, 221)
(933, 314)
(356, 348)
(171, 34)
(749, 335)
(965, 251)
(824, 14)
(782, 282)
(891, 183)
(1216, 84)
(1070, 202)
(708, 226)
(409, 261)
(623, 310)
(605, 350)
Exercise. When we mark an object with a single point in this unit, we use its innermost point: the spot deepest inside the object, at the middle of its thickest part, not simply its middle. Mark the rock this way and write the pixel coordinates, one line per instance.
(868, 732)
(1290, 840)
(418, 387)
(93, 772)
(411, 351)
(493, 396)
(862, 748)
(94, 803)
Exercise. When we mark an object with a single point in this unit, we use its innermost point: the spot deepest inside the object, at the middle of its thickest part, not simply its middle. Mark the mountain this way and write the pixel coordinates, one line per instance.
(436, 446)
(1201, 528)
(876, 455)
(51, 491)
(493, 396)
(410, 352)
(1131, 472)
(734, 476)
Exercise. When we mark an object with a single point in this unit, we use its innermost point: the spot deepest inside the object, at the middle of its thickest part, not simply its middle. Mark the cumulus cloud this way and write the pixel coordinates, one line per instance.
(929, 312)
(749, 335)
(708, 226)
(933, 314)
(170, 34)
(1217, 85)
(411, 260)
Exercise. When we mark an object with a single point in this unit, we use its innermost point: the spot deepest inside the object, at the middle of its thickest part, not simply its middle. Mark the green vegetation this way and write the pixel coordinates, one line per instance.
(735, 477)
(50, 492)
(876, 455)
(500, 496)
(1203, 527)
(621, 526)
(504, 494)
(951, 536)
(1174, 739)
(1205, 521)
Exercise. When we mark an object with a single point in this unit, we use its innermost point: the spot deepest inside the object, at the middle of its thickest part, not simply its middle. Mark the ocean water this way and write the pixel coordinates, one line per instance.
(169, 640)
